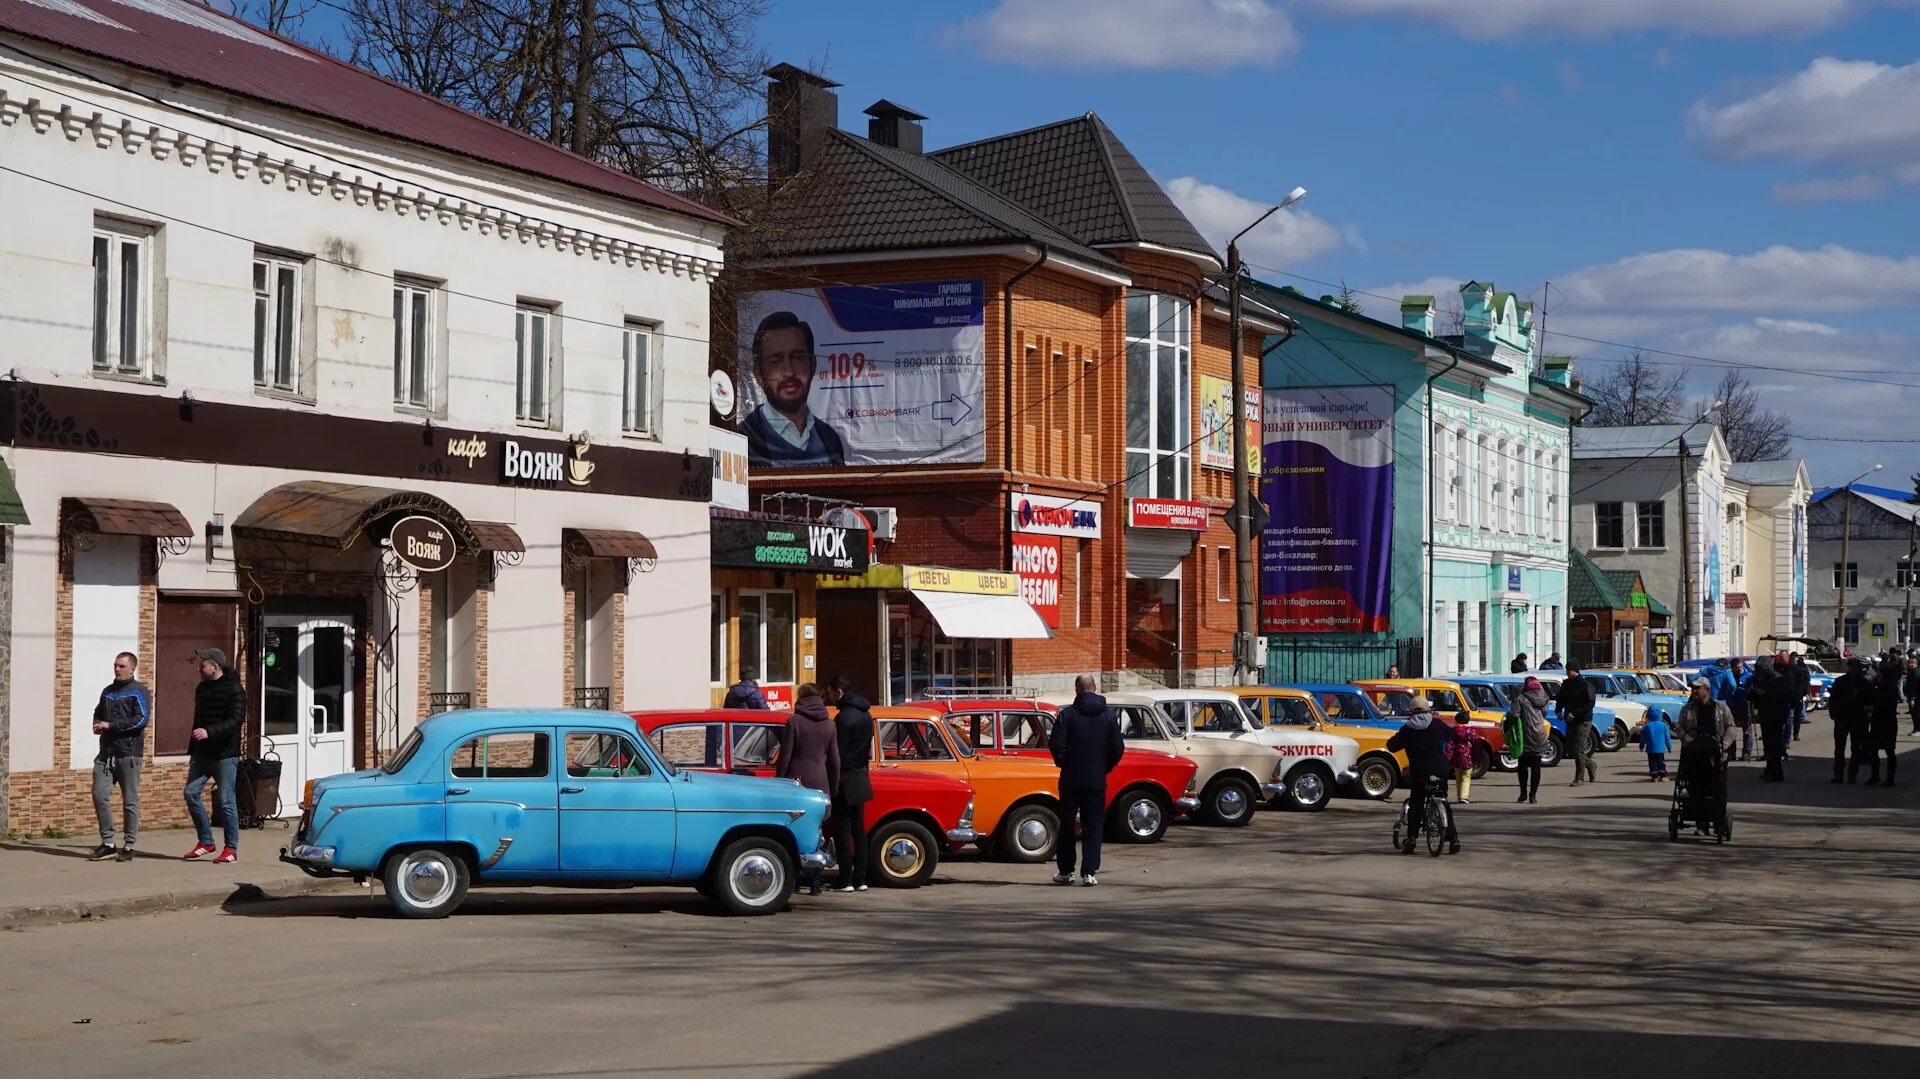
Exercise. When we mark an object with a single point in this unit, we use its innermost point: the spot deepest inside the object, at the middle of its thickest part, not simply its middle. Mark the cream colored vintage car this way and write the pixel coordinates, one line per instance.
(1240, 763)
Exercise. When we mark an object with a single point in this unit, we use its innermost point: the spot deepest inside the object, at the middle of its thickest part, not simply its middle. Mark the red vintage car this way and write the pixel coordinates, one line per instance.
(912, 817)
(1146, 789)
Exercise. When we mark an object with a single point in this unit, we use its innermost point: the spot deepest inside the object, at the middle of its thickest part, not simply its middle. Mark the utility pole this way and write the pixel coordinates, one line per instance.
(1242, 521)
(1686, 558)
(1846, 548)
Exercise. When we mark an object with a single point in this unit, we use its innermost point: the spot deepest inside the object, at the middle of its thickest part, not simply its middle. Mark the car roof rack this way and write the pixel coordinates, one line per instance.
(979, 693)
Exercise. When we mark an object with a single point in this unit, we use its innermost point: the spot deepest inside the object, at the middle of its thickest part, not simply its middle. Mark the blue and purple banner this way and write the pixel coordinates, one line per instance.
(1327, 479)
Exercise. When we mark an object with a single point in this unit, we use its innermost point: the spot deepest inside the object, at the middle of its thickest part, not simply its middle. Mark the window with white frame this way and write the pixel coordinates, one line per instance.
(767, 635)
(533, 363)
(1650, 528)
(1537, 496)
(1553, 497)
(1485, 484)
(1159, 395)
(1505, 489)
(276, 322)
(414, 343)
(122, 298)
(1457, 487)
(640, 387)
(1439, 472)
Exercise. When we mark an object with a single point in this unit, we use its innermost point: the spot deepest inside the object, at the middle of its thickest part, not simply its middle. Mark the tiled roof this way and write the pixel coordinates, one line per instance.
(862, 196)
(185, 41)
(1588, 587)
(1079, 175)
(126, 517)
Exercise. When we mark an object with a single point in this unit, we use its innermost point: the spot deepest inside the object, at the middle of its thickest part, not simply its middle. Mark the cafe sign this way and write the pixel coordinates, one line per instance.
(422, 543)
(811, 547)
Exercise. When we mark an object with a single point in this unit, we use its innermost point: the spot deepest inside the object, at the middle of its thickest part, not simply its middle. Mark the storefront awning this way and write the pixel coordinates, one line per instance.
(607, 543)
(125, 517)
(12, 510)
(497, 536)
(333, 514)
(964, 615)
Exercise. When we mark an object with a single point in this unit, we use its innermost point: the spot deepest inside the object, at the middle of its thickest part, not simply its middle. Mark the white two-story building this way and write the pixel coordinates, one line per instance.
(399, 408)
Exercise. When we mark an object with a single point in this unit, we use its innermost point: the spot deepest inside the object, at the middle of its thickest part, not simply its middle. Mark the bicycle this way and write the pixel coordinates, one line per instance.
(1433, 821)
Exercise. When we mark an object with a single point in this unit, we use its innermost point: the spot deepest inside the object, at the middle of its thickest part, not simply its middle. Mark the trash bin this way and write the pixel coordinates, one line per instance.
(257, 790)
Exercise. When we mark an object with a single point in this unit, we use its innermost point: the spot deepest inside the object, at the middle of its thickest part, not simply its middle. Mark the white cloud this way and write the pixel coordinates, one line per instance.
(1287, 239)
(1194, 35)
(1594, 18)
(1853, 113)
(1778, 279)
(1843, 189)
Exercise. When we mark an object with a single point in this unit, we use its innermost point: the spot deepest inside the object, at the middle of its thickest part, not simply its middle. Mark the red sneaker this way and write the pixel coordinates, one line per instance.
(226, 856)
(200, 850)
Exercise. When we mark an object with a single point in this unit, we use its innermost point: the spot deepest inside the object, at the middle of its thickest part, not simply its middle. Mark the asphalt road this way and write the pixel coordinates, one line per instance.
(1569, 938)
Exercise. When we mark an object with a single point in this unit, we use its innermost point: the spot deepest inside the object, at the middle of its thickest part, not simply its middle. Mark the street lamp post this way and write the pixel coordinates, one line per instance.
(1243, 523)
(1846, 537)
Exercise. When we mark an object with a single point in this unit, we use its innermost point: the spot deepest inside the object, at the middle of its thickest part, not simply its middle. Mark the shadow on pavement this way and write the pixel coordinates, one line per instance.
(250, 902)
(1041, 1037)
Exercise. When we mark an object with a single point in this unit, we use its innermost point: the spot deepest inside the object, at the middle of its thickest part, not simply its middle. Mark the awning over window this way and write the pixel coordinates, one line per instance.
(496, 536)
(125, 517)
(961, 614)
(333, 514)
(12, 510)
(607, 543)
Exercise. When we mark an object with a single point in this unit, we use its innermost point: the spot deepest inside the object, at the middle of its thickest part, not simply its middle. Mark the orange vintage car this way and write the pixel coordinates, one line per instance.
(1016, 799)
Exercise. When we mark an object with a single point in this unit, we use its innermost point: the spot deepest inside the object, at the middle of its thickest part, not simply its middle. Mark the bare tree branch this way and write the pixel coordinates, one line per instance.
(1634, 393)
(284, 17)
(1752, 432)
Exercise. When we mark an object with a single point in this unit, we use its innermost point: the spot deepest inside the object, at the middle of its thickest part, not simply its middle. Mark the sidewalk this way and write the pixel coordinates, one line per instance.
(50, 881)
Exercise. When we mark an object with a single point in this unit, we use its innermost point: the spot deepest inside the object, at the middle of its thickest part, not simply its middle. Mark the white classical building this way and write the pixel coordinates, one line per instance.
(260, 307)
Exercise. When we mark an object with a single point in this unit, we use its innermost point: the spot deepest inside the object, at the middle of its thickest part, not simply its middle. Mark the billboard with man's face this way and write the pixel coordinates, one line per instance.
(864, 374)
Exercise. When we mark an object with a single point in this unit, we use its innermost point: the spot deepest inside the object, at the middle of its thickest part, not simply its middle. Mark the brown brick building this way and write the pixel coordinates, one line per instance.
(1098, 371)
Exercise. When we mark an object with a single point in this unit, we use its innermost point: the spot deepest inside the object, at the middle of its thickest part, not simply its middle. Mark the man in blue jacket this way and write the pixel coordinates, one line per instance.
(120, 719)
(1086, 744)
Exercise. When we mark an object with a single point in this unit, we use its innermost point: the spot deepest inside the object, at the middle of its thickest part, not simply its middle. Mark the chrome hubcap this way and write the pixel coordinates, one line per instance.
(1230, 802)
(902, 857)
(755, 878)
(1378, 780)
(1308, 789)
(427, 879)
(1143, 817)
(1032, 835)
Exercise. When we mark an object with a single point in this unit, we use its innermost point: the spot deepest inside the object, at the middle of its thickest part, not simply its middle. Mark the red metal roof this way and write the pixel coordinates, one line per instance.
(183, 40)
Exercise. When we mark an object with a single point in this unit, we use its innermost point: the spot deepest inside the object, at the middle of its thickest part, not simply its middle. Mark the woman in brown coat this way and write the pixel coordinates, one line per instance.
(810, 750)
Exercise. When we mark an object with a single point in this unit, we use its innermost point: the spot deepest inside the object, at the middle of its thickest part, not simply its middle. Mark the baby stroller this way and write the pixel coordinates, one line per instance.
(1700, 794)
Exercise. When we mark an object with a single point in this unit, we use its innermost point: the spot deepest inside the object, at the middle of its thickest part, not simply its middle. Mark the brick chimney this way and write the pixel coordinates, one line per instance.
(801, 109)
(894, 125)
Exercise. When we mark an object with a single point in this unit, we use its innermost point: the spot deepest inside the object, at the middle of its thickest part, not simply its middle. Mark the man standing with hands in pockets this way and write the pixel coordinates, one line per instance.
(1086, 744)
(120, 719)
(219, 711)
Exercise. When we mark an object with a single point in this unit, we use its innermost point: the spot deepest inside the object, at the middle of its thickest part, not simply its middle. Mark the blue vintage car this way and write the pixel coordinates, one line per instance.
(1484, 690)
(554, 797)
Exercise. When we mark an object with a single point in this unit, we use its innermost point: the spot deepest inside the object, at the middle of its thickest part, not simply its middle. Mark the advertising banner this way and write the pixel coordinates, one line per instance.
(1660, 647)
(1799, 619)
(1037, 560)
(1713, 511)
(1327, 478)
(1167, 513)
(728, 449)
(864, 375)
(748, 543)
(1049, 516)
(1216, 425)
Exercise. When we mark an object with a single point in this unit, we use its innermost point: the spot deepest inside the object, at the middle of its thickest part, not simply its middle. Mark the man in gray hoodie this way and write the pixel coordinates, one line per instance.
(120, 719)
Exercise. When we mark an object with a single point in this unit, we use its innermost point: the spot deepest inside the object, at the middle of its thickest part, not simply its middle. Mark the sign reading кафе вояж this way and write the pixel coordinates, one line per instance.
(746, 543)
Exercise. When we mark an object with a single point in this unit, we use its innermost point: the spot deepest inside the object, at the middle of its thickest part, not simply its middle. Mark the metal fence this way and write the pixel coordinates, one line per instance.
(1290, 660)
(1591, 653)
(447, 702)
(598, 697)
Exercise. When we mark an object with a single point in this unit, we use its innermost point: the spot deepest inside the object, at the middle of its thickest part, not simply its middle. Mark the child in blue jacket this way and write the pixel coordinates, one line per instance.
(1656, 738)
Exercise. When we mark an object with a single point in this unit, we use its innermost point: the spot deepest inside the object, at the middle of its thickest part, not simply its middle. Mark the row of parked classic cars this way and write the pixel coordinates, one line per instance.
(686, 797)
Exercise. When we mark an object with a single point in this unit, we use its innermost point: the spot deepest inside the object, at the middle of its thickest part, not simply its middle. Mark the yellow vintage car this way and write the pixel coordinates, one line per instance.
(1393, 695)
(1378, 770)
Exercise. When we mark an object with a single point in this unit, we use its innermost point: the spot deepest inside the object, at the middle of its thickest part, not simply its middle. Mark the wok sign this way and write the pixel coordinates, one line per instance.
(423, 543)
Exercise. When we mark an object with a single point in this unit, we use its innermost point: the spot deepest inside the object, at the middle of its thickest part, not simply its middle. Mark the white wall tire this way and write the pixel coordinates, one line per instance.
(425, 883)
(753, 876)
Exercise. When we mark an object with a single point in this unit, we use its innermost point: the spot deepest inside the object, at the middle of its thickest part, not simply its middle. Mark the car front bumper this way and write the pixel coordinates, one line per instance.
(818, 859)
(1186, 803)
(1272, 790)
(962, 835)
(313, 861)
(1351, 775)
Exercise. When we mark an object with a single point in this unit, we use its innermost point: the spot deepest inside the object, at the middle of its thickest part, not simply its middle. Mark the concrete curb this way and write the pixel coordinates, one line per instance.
(94, 910)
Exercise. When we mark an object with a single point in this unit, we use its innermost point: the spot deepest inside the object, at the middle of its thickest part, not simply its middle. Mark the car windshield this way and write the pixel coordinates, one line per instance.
(1444, 700)
(1347, 707)
(1485, 696)
(1630, 683)
(917, 740)
(1140, 724)
(400, 756)
(1292, 712)
(1219, 716)
(1396, 703)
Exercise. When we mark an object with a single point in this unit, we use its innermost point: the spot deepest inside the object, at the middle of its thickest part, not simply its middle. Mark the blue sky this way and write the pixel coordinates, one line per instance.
(1731, 179)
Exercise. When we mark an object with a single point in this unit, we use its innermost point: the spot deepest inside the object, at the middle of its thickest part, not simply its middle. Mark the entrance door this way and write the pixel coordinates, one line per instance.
(307, 704)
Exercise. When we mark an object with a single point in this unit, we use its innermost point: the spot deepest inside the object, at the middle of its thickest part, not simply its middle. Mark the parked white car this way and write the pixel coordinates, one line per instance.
(1310, 763)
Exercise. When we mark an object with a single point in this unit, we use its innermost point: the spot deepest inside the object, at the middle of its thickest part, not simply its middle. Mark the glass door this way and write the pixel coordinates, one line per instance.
(307, 702)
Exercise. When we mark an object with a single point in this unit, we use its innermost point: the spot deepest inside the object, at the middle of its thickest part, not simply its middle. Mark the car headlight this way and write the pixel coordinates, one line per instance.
(966, 815)
(1193, 783)
(1280, 769)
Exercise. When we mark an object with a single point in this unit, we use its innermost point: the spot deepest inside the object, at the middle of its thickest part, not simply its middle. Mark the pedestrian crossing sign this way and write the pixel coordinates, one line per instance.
(1878, 629)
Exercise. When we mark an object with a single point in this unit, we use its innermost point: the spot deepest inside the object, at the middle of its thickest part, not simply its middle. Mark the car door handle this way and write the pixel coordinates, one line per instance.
(459, 790)
(572, 790)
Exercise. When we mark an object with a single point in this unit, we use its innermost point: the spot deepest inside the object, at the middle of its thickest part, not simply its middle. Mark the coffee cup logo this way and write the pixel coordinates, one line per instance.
(579, 469)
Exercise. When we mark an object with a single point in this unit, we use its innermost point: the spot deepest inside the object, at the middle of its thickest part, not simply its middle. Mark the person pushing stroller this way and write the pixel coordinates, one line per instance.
(1707, 739)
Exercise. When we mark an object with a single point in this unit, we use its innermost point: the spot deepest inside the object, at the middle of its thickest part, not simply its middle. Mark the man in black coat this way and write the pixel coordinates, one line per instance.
(1770, 702)
(1883, 724)
(1423, 738)
(853, 724)
(1086, 744)
(1849, 703)
(219, 714)
(1910, 687)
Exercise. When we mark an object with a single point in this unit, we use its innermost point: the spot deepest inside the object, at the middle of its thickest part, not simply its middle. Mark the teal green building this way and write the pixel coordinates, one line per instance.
(1481, 424)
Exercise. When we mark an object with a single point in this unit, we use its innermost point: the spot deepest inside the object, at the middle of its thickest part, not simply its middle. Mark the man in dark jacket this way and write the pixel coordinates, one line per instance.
(1519, 664)
(1883, 725)
(746, 693)
(120, 719)
(1086, 744)
(1576, 708)
(1911, 688)
(1423, 738)
(1849, 703)
(1769, 702)
(219, 714)
(853, 724)
(1802, 685)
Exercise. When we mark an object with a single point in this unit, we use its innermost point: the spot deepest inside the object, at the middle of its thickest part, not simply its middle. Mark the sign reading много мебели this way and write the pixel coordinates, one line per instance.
(797, 545)
(1036, 559)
